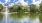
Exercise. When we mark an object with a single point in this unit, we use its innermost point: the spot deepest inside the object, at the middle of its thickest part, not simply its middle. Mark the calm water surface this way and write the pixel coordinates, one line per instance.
(22, 18)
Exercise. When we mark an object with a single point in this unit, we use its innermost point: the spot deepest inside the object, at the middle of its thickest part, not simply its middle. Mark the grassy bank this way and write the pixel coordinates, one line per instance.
(15, 12)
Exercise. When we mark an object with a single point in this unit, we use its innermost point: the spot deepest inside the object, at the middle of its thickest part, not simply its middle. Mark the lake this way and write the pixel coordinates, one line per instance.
(22, 18)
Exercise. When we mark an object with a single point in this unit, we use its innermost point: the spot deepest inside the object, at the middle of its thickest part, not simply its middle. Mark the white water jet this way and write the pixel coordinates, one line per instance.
(6, 14)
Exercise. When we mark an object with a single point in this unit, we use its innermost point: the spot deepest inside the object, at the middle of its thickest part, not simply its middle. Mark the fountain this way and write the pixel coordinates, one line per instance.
(6, 13)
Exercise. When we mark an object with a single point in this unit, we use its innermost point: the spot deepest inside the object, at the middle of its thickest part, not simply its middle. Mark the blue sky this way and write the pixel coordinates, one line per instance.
(29, 1)
(36, 2)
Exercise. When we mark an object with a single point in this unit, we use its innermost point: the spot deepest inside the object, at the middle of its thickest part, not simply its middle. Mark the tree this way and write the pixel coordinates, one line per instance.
(22, 8)
(13, 8)
(40, 7)
(17, 8)
(1, 7)
(33, 8)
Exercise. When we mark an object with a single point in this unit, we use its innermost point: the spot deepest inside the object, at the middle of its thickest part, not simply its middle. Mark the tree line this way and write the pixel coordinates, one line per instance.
(20, 8)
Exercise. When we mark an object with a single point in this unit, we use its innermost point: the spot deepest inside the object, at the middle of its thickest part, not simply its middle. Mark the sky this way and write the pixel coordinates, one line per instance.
(11, 1)
(36, 2)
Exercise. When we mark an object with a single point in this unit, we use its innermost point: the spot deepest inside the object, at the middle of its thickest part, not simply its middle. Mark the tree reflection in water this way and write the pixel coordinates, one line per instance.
(23, 18)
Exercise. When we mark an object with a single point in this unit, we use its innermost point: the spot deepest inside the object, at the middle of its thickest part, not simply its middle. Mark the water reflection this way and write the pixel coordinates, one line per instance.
(22, 18)
(25, 18)
(28, 18)
(1, 17)
(40, 17)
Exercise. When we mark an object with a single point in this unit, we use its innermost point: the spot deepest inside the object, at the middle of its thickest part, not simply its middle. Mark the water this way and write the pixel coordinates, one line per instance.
(28, 18)
(6, 13)
(23, 18)
(7, 17)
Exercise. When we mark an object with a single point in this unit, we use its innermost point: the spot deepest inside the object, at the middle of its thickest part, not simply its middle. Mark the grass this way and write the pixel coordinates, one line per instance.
(15, 12)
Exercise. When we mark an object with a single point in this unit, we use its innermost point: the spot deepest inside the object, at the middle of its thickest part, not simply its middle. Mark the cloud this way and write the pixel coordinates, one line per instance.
(21, 2)
(11, 4)
(7, 1)
(14, 1)
(36, 2)
(0, 2)
(18, 2)
(26, 1)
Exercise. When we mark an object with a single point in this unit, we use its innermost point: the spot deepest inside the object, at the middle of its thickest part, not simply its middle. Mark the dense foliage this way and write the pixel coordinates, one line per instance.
(17, 8)
(1, 7)
(40, 7)
(20, 8)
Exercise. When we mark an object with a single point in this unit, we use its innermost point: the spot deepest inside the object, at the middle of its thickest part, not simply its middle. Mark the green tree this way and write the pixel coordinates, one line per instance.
(17, 8)
(22, 8)
(13, 8)
(33, 8)
(1, 7)
(40, 7)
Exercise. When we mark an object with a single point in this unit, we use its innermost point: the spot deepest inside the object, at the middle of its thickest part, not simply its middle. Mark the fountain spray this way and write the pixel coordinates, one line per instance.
(6, 13)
